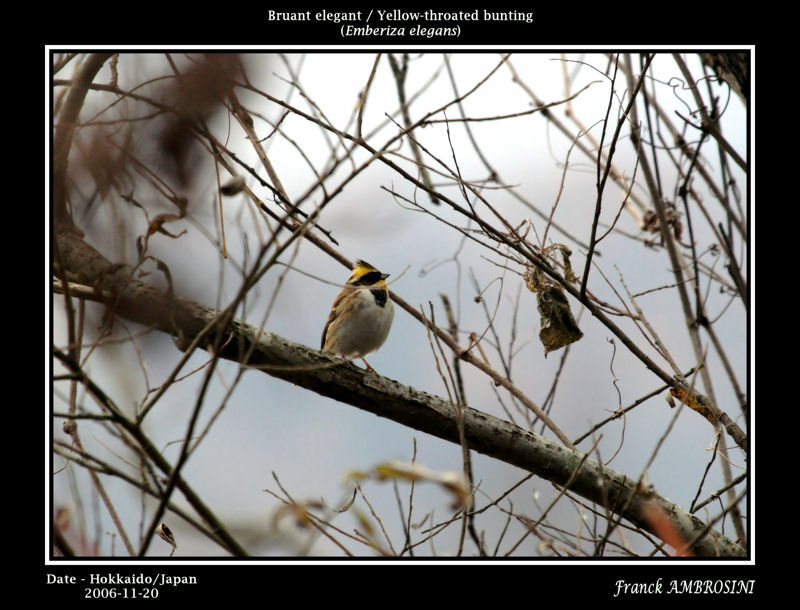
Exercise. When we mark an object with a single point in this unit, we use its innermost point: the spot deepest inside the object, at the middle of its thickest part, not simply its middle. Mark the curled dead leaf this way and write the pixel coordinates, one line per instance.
(558, 326)
(300, 511)
(693, 402)
(453, 481)
(166, 535)
(234, 186)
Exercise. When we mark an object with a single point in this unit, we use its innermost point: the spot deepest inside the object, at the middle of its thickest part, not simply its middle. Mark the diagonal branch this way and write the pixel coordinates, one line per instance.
(65, 129)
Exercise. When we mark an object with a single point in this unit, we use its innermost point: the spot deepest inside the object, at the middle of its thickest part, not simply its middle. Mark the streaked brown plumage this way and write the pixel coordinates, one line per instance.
(361, 316)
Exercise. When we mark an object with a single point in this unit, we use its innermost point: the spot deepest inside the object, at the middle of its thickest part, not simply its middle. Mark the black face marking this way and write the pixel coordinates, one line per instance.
(368, 278)
(380, 297)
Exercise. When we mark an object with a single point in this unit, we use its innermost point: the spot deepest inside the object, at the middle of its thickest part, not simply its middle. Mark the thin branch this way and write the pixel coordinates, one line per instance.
(601, 179)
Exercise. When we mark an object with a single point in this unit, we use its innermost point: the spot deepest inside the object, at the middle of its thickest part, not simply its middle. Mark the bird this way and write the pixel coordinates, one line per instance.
(361, 316)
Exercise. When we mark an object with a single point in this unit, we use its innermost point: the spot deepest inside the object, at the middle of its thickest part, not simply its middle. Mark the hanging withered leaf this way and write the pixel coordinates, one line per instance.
(234, 186)
(558, 326)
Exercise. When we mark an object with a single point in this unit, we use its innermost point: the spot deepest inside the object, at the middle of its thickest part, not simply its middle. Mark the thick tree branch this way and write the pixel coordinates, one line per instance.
(347, 383)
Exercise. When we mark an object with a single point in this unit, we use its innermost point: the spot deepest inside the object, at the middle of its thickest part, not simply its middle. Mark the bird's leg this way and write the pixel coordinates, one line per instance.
(369, 367)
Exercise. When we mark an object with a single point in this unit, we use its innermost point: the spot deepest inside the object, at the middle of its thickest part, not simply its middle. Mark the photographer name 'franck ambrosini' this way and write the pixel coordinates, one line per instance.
(396, 15)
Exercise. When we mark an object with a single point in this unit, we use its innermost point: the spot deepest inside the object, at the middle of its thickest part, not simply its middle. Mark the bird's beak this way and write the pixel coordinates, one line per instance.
(384, 276)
